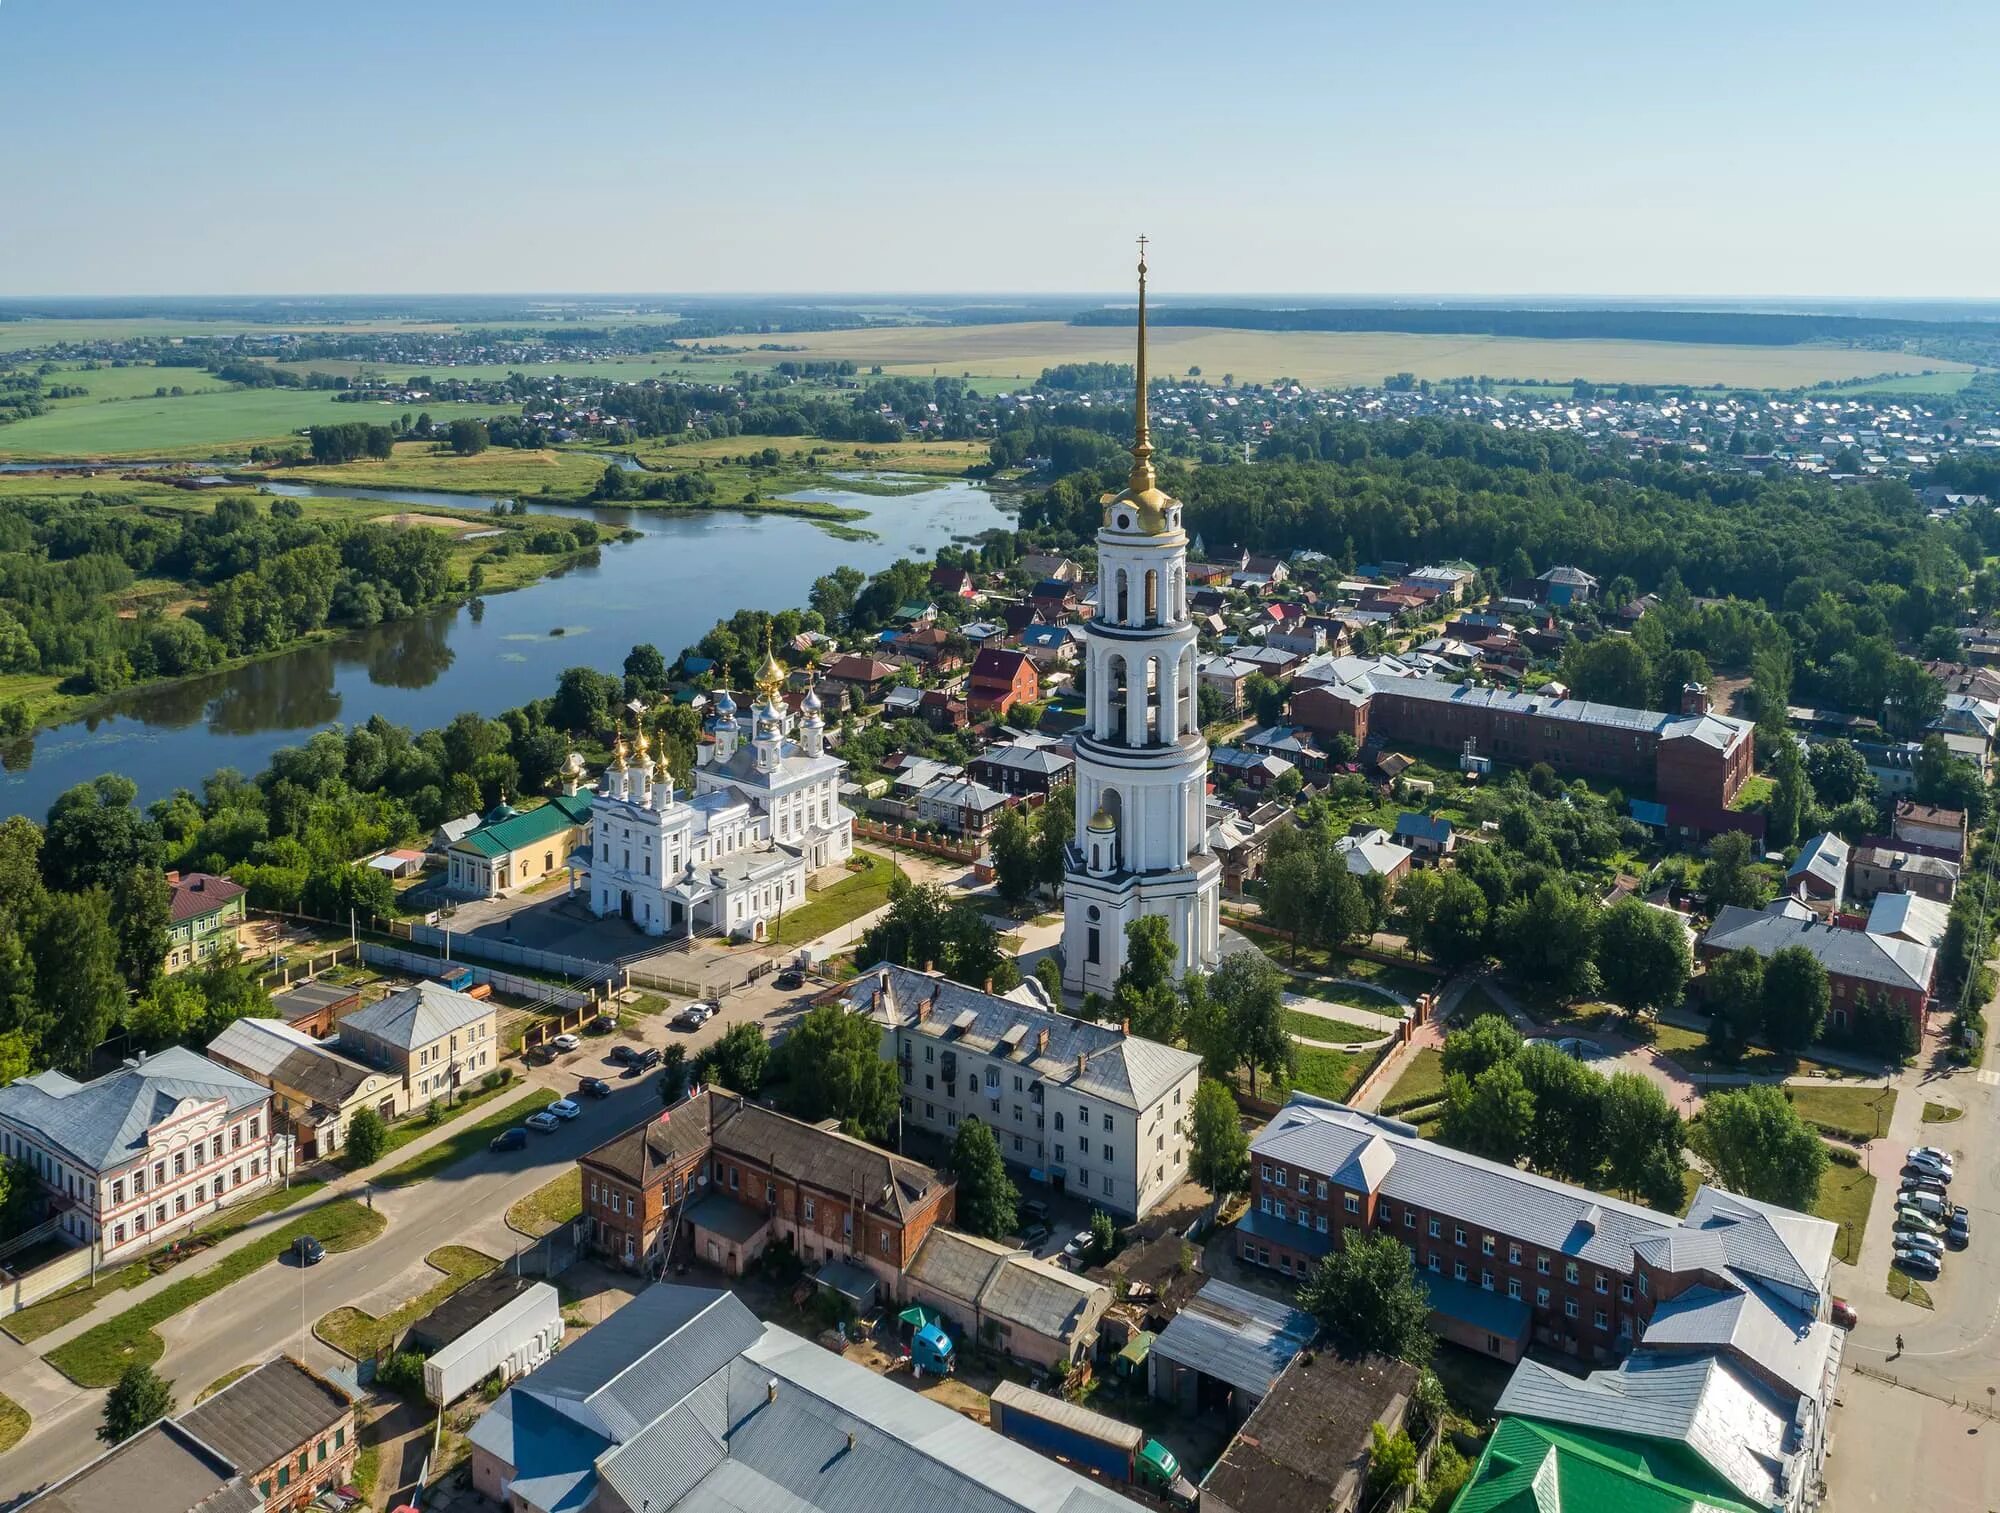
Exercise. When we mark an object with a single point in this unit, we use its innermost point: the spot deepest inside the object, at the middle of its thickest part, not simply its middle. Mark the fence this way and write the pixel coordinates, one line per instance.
(46, 1280)
(303, 966)
(529, 988)
(912, 839)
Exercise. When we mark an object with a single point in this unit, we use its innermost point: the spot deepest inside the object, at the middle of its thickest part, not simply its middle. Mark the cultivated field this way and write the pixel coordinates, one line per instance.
(16, 334)
(1022, 350)
(949, 458)
(226, 421)
(498, 470)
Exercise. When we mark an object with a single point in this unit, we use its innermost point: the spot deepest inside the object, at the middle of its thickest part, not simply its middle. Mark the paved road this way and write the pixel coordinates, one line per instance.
(274, 1308)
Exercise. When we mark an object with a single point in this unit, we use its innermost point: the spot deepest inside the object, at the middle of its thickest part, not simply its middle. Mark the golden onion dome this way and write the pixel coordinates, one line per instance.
(1102, 820)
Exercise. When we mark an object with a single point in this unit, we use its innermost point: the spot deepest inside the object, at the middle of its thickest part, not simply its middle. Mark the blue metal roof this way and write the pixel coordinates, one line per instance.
(1262, 1226)
(1490, 1312)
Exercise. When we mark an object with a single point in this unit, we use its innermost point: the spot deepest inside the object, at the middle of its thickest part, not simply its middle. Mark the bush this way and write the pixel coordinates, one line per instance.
(402, 1371)
(498, 1077)
(367, 1138)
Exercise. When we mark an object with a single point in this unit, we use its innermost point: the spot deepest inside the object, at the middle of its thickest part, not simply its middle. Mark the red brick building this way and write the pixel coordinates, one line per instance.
(715, 1171)
(1860, 968)
(1001, 678)
(1509, 1257)
(1695, 759)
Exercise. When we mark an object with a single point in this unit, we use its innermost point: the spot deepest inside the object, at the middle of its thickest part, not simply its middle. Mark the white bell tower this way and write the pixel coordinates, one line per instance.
(1141, 762)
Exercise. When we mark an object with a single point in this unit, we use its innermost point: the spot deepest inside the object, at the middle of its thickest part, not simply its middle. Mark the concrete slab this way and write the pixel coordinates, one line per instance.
(1895, 1449)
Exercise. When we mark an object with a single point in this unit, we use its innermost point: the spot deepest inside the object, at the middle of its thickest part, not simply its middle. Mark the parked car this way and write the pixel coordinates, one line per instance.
(1917, 1182)
(1958, 1228)
(623, 1054)
(1918, 1239)
(564, 1108)
(693, 1017)
(595, 1087)
(508, 1140)
(308, 1251)
(1918, 1263)
(1079, 1248)
(1033, 1233)
(1844, 1316)
(791, 979)
(1909, 1216)
(1929, 1162)
(543, 1121)
(648, 1056)
(566, 1042)
(1931, 1152)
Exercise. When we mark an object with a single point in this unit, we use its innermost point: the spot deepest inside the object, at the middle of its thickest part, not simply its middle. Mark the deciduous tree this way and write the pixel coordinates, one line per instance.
(1642, 956)
(1761, 1148)
(987, 1199)
(1796, 999)
(1220, 1157)
(1367, 1297)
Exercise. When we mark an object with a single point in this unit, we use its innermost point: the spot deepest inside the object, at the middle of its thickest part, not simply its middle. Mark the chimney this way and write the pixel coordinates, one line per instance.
(931, 967)
(173, 878)
(924, 1008)
(1041, 1042)
(771, 1391)
(1081, 1059)
(989, 985)
(1124, 1026)
(850, 1441)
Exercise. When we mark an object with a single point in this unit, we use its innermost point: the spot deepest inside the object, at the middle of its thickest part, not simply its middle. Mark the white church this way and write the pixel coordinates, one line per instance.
(1141, 762)
(764, 818)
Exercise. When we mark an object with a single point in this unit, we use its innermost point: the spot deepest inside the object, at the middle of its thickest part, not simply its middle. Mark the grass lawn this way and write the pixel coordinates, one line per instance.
(98, 1356)
(1691, 1184)
(829, 908)
(1854, 1113)
(1327, 1074)
(1908, 1288)
(505, 471)
(1326, 1027)
(1690, 1049)
(361, 1335)
(14, 1422)
(1422, 1080)
(549, 1206)
(410, 1126)
(223, 1381)
(1941, 1113)
(31, 1323)
(1844, 1195)
(462, 1142)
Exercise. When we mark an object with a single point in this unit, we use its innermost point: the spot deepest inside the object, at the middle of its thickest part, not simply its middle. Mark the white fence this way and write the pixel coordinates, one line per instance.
(45, 1280)
(529, 988)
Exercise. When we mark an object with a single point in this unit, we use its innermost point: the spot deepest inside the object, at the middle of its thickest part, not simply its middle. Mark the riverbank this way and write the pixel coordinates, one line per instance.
(474, 534)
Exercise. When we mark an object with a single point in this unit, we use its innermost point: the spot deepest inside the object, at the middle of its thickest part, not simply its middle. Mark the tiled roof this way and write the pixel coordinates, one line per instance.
(103, 1123)
(1851, 953)
(200, 893)
(417, 1015)
(825, 1158)
(262, 1417)
(1123, 1069)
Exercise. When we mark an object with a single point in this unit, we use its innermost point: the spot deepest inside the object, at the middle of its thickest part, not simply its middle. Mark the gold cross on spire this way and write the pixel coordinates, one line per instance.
(1141, 479)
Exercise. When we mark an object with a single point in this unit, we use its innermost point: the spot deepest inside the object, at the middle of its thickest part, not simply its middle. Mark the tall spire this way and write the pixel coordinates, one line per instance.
(1142, 440)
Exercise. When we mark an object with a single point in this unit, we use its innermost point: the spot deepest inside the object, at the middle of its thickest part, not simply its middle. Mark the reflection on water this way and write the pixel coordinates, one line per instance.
(685, 571)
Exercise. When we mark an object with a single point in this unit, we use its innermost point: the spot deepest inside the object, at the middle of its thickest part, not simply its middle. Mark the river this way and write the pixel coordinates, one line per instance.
(685, 571)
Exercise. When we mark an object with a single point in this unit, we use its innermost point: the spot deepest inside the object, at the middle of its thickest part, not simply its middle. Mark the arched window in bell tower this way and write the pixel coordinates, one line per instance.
(1121, 617)
(1152, 596)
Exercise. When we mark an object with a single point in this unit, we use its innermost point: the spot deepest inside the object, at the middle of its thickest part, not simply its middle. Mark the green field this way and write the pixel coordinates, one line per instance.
(361, 1335)
(227, 422)
(501, 471)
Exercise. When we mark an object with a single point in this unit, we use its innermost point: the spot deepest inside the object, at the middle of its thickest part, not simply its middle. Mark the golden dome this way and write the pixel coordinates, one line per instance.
(771, 676)
(1102, 820)
(644, 746)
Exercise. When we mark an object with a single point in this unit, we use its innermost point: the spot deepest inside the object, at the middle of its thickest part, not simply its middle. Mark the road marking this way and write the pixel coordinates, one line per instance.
(1988, 1076)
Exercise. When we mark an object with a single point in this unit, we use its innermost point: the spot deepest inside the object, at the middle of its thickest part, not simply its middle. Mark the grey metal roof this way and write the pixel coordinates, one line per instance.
(1123, 1069)
(1789, 1346)
(417, 1015)
(1700, 1403)
(271, 1048)
(101, 1124)
(767, 1424)
(1851, 953)
(1235, 1336)
(1008, 1284)
(1764, 1240)
(1824, 859)
(161, 1469)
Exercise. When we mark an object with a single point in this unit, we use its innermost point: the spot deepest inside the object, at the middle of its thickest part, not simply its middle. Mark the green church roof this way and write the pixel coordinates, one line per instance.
(1530, 1466)
(527, 827)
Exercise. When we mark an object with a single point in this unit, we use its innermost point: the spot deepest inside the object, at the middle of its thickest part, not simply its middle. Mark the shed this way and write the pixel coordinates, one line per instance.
(314, 1006)
(855, 1284)
(1226, 1348)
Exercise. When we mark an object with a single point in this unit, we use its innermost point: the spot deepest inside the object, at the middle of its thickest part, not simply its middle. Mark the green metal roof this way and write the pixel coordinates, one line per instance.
(1534, 1467)
(529, 827)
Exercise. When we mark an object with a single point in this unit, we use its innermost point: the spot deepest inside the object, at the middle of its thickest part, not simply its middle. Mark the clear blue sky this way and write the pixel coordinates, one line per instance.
(271, 146)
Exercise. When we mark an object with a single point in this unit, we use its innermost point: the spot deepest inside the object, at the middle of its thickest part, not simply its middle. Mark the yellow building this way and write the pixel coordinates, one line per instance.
(513, 848)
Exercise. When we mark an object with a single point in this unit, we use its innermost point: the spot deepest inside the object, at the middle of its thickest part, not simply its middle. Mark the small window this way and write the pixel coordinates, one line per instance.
(1514, 1288)
(1513, 1255)
(1458, 1271)
(1624, 1292)
(1569, 1307)
(1541, 1297)
(1602, 1321)
(1542, 1265)
(1437, 1228)
(1486, 1245)
(1458, 1234)
(1569, 1271)
(1350, 1202)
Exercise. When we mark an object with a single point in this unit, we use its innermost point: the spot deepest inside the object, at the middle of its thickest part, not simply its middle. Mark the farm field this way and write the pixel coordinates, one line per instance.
(948, 458)
(498, 470)
(198, 424)
(18, 334)
(1021, 350)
